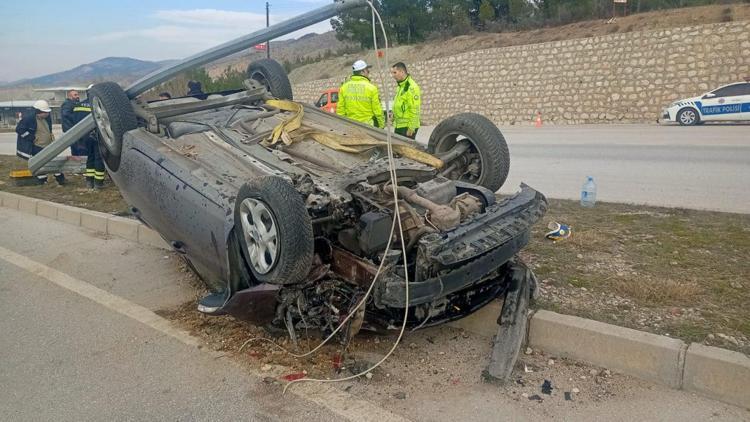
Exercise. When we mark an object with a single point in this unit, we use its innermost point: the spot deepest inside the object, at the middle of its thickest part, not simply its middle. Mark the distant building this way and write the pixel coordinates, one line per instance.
(59, 93)
(9, 110)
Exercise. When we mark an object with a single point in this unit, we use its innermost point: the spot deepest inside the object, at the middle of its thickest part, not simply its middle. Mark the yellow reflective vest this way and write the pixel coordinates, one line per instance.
(359, 100)
(407, 105)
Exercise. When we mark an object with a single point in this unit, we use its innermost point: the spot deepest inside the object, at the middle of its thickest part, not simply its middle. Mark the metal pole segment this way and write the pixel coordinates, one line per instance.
(164, 74)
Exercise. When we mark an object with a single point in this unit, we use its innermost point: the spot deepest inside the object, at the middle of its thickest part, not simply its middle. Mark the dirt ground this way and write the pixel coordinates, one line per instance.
(447, 47)
(425, 359)
(676, 272)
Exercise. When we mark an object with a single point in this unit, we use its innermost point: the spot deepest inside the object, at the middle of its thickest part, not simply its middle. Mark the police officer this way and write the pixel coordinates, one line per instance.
(407, 104)
(358, 97)
(34, 133)
(73, 111)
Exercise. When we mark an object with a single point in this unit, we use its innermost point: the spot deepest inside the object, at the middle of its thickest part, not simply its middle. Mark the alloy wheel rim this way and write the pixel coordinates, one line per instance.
(261, 234)
(687, 117)
(104, 124)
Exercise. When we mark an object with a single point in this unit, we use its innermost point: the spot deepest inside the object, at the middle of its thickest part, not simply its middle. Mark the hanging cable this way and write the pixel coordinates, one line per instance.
(394, 181)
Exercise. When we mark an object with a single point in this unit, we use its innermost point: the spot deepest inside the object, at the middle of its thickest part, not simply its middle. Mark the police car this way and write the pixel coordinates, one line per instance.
(727, 103)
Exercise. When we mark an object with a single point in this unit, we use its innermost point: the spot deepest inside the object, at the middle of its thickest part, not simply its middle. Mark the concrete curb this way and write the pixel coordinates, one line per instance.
(710, 371)
(716, 373)
(644, 355)
(99, 222)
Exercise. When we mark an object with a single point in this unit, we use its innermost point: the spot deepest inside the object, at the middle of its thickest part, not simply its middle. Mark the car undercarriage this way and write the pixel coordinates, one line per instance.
(301, 220)
(305, 200)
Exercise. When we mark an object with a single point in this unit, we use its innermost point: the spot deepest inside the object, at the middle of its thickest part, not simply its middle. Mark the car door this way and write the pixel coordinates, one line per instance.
(743, 99)
(725, 103)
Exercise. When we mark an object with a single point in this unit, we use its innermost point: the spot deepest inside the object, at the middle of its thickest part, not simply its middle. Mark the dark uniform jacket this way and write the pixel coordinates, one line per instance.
(26, 130)
(73, 112)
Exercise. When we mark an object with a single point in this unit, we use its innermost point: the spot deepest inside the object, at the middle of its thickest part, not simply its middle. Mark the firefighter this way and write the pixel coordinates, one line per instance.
(34, 133)
(407, 103)
(73, 111)
(358, 97)
(69, 119)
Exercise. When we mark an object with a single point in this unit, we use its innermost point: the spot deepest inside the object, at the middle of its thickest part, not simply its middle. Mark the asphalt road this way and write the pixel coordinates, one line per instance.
(704, 167)
(80, 342)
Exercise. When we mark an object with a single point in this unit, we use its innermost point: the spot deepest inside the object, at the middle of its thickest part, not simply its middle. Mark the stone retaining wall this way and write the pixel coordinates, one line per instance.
(624, 77)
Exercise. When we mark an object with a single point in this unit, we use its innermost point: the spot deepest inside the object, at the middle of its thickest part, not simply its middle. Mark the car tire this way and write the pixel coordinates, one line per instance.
(113, 116)
(273, 76)
(274, 231)
(487, 144)
(688, 116)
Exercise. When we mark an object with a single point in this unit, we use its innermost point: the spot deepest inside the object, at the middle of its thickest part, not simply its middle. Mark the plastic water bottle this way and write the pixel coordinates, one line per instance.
(588, 193)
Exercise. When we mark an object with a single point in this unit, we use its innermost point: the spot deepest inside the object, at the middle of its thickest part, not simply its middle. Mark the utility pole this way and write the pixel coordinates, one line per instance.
(268, 43)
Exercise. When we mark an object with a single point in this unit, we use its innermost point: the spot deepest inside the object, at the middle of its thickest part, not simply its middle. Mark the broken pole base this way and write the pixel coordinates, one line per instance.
(513, 320)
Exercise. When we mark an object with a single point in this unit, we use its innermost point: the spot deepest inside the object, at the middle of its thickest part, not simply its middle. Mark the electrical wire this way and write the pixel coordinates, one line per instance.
(397, 220)
(394, 181)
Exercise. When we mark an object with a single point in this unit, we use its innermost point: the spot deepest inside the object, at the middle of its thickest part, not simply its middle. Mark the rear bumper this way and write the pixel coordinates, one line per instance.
(472, 254)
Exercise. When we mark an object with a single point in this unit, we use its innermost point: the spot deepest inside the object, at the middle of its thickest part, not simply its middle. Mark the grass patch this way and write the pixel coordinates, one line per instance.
(677, 269)
(74, 193)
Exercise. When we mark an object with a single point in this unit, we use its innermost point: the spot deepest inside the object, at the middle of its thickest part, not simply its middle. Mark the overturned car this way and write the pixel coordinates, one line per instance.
(286, 212)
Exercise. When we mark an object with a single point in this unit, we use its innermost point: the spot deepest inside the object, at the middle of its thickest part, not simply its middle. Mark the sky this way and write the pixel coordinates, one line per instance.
(39, 37)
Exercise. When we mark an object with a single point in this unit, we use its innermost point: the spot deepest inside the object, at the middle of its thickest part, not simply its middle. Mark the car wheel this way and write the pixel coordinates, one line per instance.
(688, 117)
(113, 116)
(274, 230)
(484, 159)
(273, 76)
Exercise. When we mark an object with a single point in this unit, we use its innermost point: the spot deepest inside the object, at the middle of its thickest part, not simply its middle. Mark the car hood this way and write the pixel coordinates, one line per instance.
(686, 101)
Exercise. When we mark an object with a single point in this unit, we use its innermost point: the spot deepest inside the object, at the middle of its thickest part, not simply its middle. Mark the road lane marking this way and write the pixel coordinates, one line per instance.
(326, 396)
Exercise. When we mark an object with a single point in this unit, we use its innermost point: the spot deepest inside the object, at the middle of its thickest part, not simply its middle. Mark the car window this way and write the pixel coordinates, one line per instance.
(743, 89)
(323, 100)
(733, 90)
(334, 97)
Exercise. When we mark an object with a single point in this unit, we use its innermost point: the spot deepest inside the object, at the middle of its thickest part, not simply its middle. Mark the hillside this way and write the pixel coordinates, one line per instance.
(308, 46)
(339, 66)
(119, 69)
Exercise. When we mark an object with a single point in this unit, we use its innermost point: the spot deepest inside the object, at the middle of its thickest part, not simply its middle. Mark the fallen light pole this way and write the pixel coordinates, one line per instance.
(162, 75)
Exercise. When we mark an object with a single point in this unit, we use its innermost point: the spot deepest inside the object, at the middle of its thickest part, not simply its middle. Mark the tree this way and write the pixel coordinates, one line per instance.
(486, 12)
(405, 21)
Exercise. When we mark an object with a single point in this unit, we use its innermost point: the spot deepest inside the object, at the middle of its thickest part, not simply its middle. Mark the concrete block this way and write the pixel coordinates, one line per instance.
(9, 200)
(482, 322)
(123, 227)
(94, 220)
(718, 373)
(644, 355)
(27, 205)
(149, 237)
(46, 209)
(68, 214)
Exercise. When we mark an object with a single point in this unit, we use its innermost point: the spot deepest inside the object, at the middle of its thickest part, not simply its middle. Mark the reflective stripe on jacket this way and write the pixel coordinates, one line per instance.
(359, 100)
(407, 105)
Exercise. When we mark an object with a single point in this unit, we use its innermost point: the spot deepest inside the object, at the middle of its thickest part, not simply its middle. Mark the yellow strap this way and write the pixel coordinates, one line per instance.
(291, 130)
(82, 108)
